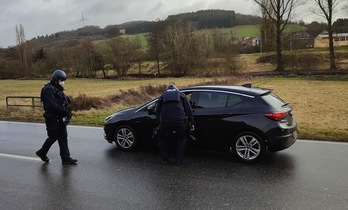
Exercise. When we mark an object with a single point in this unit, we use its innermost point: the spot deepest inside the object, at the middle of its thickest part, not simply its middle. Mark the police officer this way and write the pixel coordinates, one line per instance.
(57, 115)
(175, 117)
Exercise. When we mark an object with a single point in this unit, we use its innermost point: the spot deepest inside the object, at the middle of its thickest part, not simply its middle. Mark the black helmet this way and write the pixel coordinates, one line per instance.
(171, 87)
(58, 75)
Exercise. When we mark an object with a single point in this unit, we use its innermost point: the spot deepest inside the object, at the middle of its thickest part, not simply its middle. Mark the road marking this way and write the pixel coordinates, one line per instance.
(322, 142)
(19, 157)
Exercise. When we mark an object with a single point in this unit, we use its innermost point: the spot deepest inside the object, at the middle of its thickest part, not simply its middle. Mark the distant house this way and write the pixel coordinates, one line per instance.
(322, 40)
(256, 41)
(249, 45)
(122, 31)
(251, 42)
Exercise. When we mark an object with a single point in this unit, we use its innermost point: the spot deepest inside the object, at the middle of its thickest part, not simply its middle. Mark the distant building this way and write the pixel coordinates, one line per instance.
(251, 42)
(249, 45)
(256, 41)
(322, 40)
(122, 31)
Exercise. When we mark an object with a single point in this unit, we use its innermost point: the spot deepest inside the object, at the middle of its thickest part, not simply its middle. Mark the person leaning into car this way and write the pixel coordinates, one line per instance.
(57, 115)
(175, 117)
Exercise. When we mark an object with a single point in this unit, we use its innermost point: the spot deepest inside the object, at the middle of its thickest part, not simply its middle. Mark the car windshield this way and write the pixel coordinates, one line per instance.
(274, 100)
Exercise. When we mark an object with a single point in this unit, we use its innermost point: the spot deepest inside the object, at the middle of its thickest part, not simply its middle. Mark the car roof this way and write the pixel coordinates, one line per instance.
(246, 90)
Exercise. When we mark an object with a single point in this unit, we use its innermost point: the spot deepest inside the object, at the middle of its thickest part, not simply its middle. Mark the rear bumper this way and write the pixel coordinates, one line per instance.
(282, 138)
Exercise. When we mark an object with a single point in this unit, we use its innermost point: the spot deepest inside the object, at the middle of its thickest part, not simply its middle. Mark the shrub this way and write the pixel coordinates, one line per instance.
(267, 58)
(83, 102)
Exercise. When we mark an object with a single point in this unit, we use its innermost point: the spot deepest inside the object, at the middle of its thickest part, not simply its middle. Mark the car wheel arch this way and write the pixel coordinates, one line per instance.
(249, 129)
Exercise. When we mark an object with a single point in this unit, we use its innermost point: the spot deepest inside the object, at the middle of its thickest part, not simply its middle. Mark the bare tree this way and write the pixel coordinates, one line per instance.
(157, 33)
(22, 48)
(179, 47)
(328, 8)
(122, 54)
(279, 12)
(267, 32)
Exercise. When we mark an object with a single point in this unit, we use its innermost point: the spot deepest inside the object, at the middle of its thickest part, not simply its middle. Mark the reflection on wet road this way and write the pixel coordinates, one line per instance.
(309, 175)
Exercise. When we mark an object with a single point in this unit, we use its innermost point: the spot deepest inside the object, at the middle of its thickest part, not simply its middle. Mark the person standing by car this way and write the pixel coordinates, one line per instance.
(175, 118)
(57, 115)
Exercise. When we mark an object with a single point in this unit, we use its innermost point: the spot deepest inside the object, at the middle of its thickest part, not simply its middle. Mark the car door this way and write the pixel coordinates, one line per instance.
(146, 120)
(214, 112)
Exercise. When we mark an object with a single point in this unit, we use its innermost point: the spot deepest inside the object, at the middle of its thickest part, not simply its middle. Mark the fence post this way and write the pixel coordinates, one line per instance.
(6, 103)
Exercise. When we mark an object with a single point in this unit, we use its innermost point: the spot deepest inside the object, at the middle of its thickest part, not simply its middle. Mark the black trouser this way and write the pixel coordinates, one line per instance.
(172, 131)
(56, 130)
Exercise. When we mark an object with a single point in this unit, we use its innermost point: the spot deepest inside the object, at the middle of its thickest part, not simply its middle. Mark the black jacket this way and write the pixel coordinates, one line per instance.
(54, 100)
(173, 106)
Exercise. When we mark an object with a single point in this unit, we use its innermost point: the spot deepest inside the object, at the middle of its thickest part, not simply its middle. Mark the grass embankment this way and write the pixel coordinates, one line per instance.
(320, 104)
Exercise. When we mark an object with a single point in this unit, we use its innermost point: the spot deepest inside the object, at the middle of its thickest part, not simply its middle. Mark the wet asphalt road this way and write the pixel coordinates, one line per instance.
(308, 175)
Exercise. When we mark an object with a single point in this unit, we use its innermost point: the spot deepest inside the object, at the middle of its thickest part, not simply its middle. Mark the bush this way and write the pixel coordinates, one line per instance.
(83, 102)
(11, 69)
(267, 58)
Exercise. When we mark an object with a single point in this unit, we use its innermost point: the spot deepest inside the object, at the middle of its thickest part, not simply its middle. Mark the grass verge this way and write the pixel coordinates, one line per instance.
(320, 103)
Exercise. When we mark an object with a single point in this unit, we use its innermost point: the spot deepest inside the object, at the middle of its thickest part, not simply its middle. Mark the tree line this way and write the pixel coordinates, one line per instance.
(174, 46)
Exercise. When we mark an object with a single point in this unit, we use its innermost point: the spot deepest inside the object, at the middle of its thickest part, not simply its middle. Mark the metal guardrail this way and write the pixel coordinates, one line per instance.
(33, 100)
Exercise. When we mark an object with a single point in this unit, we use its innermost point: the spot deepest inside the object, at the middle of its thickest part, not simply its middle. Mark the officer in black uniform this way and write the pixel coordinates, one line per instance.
(175, 118)
(57, 115)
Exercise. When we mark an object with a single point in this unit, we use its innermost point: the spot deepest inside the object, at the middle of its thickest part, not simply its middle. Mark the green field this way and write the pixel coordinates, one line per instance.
(320, 104)
(238, 31)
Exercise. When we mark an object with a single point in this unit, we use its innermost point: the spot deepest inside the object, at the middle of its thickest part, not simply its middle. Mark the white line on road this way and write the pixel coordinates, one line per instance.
(19, 157)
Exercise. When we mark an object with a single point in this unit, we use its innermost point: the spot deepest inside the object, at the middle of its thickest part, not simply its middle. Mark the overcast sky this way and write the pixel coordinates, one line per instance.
(41, 17)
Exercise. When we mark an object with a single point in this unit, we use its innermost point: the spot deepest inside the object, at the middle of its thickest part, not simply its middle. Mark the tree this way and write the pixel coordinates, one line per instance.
(315, 28)
(157, 33)
(179, 47)
(279, 12)
(267, 32)
(91, 59)
(22, 48)
(328, 9)
(341, 25)
(122, 53)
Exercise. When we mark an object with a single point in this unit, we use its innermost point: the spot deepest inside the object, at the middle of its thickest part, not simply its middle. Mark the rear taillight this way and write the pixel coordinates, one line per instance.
(277, 116)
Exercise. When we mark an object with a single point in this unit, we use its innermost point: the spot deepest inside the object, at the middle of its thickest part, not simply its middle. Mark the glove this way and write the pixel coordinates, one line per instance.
(66, 120)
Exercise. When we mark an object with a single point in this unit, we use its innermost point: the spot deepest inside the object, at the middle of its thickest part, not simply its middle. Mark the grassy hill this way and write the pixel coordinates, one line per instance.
(238, 31)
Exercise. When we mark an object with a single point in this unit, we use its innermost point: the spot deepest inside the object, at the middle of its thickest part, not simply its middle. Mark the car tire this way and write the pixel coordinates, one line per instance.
(125, 138)
(248, 147)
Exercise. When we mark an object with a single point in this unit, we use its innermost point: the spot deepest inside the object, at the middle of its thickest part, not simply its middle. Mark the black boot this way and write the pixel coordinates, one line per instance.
(44, 158)
(69, 161)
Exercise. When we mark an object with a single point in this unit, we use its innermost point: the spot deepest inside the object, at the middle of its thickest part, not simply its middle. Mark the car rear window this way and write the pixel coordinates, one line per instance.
(273, 100)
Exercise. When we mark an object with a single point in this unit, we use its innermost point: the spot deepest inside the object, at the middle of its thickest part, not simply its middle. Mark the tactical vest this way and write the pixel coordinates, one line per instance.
(66, 102)
(171, 96)
(172, 107)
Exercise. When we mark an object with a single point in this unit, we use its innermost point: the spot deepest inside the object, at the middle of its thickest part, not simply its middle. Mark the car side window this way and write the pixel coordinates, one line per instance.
(233, 99)
(217, 100)
(211, 100)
